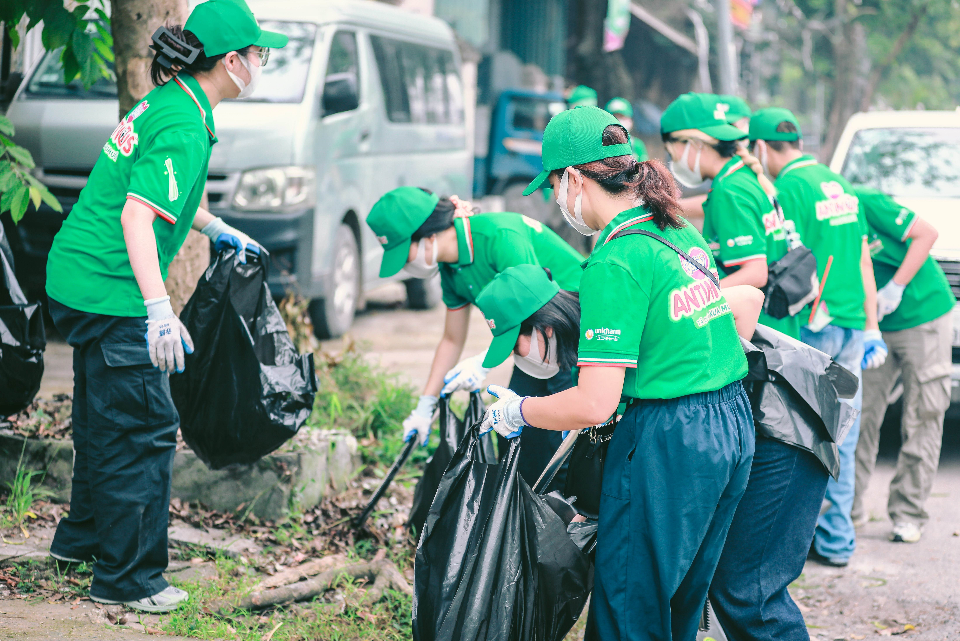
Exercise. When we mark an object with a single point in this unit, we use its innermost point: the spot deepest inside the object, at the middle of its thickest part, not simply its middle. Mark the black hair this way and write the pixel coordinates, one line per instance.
(178, 46)
(562, 314)
(649, 180)
(440, 219)
(725, 148)
(785, 127)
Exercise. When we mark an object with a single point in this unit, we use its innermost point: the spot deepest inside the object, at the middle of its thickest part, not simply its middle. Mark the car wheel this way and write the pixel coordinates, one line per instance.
(333, 315)
(423, 293)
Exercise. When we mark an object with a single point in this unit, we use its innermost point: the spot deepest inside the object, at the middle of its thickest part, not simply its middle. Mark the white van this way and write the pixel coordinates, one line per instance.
(365, 98)
(914, 156)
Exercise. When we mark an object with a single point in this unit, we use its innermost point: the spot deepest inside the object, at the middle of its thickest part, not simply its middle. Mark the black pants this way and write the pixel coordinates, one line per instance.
(537, 446)
(767, 545)
(124, 438)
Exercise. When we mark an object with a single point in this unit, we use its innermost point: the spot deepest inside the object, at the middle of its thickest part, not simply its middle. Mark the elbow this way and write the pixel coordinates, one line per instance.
(599, 410)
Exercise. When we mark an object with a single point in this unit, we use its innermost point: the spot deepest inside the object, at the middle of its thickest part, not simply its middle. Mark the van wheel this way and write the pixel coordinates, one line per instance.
(423, 293)
(333, 315)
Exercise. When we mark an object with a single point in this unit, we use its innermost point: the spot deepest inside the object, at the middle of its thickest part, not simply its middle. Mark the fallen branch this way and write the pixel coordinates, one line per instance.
(305, 571)
(384, 575)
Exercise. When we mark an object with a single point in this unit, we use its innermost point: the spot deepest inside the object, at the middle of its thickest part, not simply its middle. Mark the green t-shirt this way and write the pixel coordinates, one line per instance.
(489, 243)
(740, 224)
(639, 149)
(645, 308)
(157, 155)
(830, 221)
(928, 295)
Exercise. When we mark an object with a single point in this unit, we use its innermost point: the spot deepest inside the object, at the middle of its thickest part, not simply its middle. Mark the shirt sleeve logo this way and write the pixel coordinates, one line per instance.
(173, 192)
(588, 334)
(902, 216)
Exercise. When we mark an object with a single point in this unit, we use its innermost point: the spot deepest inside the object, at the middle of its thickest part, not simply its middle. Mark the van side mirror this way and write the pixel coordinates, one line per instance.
(340, 93)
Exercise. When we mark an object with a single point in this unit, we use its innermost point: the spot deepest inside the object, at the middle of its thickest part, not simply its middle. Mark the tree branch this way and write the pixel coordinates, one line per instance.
(898, 46)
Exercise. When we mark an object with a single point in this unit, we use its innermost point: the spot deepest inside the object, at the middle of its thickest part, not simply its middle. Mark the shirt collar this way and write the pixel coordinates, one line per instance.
(803, 161)
(465, 254)
(192, 88)
(623, 220)
(734, 164)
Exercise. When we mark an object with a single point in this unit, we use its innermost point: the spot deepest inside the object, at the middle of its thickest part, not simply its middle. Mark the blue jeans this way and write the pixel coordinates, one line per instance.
(835, 538)
(768, 544)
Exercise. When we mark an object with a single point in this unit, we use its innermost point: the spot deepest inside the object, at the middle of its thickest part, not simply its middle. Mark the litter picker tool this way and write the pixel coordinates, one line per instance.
(387, 480)
(823, 283)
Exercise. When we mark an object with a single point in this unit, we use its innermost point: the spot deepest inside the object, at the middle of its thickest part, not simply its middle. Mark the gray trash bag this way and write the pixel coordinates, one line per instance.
(799, 395)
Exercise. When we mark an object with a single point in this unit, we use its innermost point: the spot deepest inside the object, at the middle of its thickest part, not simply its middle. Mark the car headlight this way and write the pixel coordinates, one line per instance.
(275, 189)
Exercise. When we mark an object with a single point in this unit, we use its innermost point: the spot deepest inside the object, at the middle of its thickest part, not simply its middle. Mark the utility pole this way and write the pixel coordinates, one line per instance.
(725, 48)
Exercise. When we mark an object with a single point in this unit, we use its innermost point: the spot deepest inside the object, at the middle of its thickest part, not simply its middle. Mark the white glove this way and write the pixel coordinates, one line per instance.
(166, 336)
(420, 419)
(223, 236)
(468, 374)
(874, 349)
(505, 415)
(888, 298)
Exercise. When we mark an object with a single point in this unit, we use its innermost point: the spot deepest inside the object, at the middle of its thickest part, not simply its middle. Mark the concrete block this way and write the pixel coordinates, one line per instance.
(53, 457)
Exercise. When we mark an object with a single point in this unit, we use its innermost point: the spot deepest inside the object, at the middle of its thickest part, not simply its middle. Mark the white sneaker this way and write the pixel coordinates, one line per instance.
(169, 599)
(905, 533)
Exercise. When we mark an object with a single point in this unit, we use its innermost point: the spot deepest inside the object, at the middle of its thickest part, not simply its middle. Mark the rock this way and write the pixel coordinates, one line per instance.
(54, 457)
(229, 544)
(194, 573)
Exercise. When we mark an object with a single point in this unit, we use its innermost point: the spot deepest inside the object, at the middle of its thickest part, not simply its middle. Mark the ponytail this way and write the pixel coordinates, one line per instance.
(751, 161)
(648, 181)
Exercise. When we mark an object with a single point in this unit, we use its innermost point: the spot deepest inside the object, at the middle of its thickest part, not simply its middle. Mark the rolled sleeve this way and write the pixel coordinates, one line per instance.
(163, 177)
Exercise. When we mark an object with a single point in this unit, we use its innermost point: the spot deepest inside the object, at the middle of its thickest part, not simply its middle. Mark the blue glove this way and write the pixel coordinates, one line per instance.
(505, 416)
(874, 349)
(223, 236)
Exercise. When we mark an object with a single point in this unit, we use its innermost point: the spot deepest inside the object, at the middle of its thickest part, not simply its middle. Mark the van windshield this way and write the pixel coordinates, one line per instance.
(907, 162)
(284, 78)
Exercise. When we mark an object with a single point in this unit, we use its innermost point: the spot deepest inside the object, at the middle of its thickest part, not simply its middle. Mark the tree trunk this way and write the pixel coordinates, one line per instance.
(898, 46)
(133, 23)
(850, 74)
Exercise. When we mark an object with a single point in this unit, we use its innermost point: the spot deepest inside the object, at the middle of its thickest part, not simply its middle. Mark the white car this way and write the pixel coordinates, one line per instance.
(914, 156)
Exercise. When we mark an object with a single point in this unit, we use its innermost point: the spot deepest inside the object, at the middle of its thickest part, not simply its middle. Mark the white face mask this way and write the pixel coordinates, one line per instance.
(532, 364)
(575, 221)
(246, 90)
(687, 177)
(419, 267)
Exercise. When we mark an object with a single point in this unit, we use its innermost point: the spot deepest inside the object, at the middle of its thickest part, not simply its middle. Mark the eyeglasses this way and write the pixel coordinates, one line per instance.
(264, 55)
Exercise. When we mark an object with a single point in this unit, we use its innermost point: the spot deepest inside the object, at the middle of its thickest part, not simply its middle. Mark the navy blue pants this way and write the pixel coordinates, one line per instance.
(537, 446)
(768, 544)
(124, 438)
(674, 473)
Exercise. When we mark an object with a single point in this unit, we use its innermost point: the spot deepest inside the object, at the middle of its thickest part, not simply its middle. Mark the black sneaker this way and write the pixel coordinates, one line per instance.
(815, 556)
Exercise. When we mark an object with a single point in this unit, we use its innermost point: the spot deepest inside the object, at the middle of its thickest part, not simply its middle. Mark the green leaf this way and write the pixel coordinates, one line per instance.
(103, 17)
(18, 206)
(5, 199)
(105, 35)
(35, 197)
(71, 68)
(21, 155)
(6, 127)
(58, 26)
(50, 199)
(7, 181)
(14, 36)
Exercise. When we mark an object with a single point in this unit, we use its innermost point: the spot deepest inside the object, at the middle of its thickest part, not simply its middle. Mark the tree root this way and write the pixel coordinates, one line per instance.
(383, 574)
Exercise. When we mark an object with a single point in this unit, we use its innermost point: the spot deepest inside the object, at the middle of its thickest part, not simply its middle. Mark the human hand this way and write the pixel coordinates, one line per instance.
(223, 236)
(874, 349)
(888, 298)
(167, 338)
(418, 423)
(462, 208)
(468, 375)
(505, 416)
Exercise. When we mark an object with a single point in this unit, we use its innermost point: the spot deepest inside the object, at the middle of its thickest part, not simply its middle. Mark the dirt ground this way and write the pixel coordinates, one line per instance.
(887, 590)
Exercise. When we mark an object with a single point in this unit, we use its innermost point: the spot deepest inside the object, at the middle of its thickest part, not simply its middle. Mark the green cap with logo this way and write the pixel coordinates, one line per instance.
(394, 218)
(699, 111)
(582, 96)
(764, 123)
(512, 297)
(620, 106)
(737, 107)
(574, 137)
(227, 25)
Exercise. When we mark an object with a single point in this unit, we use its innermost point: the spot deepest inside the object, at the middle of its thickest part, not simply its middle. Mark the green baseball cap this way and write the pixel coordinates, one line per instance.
(574, 137)
(394, 218)
(512, 297)
(620, 106)
(227, 25)
(582, 96)
(764, 123)
(699, 111)
(737, 107)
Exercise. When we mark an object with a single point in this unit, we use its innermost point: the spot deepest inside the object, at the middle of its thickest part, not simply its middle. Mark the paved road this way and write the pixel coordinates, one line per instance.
(886, 587)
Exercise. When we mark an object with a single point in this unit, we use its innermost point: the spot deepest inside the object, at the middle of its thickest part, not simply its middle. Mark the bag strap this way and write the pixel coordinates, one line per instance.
(640, 232)
(7, 275)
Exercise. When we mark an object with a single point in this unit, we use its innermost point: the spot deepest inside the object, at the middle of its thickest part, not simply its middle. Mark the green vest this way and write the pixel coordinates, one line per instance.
(928, 296)
(645, 308)
(489, 243)
(158, 156)
(741, 225)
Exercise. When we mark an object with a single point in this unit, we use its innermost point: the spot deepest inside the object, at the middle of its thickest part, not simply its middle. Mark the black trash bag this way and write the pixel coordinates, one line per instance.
(245, 390)
(795, 393)
(451, 431)
(22, 339)
(495, 562)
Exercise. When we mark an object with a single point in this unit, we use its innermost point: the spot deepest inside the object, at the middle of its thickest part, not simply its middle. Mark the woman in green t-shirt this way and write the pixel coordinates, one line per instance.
(657, 330)
(423, 234)
(105, 281)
